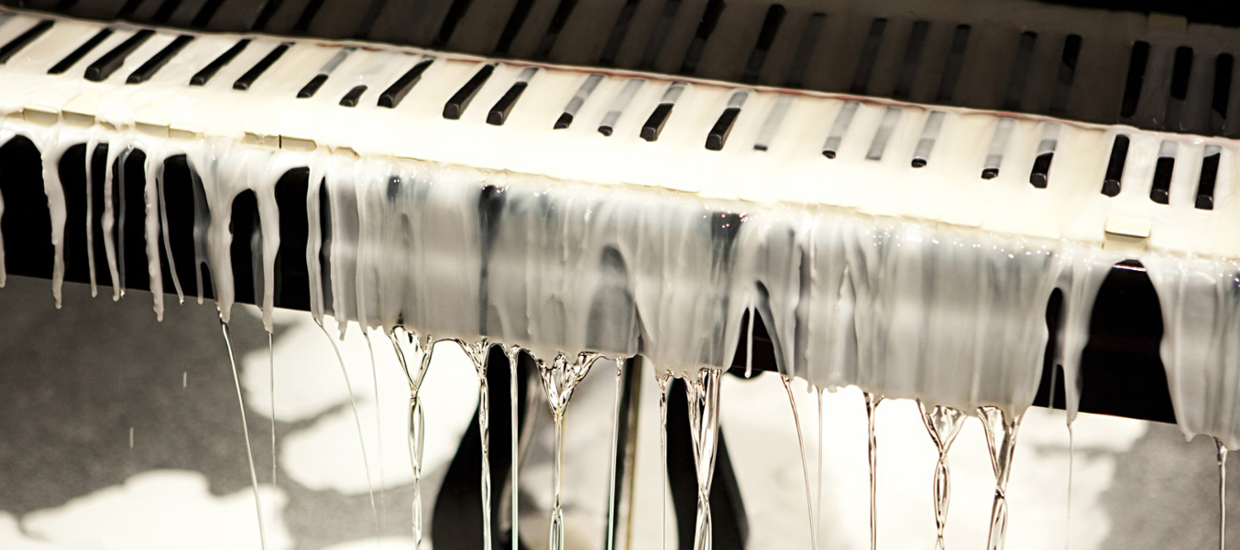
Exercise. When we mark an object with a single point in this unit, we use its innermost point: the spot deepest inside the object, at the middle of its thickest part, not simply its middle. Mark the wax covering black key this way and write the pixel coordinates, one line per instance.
(499, 112)
(1115, 167)
(312, 87)
(350, 99)
(718, 135)
(103, 67)
(76, 55)
(247, 80)
(565, 120)
(1205, 184)
(156, 62)
(1040, 175)
(770, 27)
(24, 39)
(654, 125)
(460, 100)
(391, 97)
(202, 77)
(1136, 77)
(1160, 191)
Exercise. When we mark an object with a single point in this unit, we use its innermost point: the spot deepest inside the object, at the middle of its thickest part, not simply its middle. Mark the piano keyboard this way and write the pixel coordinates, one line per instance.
(1089, 65)
(784, 187)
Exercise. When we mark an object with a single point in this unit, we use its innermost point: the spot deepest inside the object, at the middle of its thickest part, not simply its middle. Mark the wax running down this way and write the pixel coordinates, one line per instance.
(950, 315)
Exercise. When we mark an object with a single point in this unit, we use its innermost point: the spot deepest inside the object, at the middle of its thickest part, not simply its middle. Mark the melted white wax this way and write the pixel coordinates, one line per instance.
(906, 309)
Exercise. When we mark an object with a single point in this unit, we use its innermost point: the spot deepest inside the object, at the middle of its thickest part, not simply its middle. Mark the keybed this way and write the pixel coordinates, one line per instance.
(1036, 177)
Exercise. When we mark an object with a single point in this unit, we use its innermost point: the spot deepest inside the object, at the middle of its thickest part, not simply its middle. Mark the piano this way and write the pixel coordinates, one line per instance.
(965, 203)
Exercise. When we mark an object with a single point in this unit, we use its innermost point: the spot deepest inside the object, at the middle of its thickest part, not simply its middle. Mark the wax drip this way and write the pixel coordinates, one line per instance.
(664, 382)
(245, 429)
(944, 425)
(424, 347)
(477, 353)
(809, 499)
(374, 378)
(703, 397)
(1001, 431)
(749, 346)
(357, 419)
(109, 221)
(271, 370)
(871, 406)
(559, 379)
(1222, 493)
(91, 144)
(512, 352)
(120, 216)
(615, 435)
(821, 394)
(158, 168)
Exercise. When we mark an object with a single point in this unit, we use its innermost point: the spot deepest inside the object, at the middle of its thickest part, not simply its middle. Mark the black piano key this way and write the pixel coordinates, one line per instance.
(1115, 167)
(205, 13)
(165, 11)
(658, 36)
(1040, 175)
(1222, 91)
(460, 100)
(1160, 191)
(654, 125)
(560, 18)
(128, 9)
(718, 135)
(103, 67)
(1136, 77)
(869, 54)
(368, 20)
(805, 50)
(247, 80)
(770, 27)
(391, 97)
(76, 55)
(499, 112)
(565, 120)
(1209, 173)
(24, 39)
(516, 20)
(954, 65)
(350, 99)
(456, 12)
(312, 87)
(264, 17)
(1020, 71)
(307, 16)
(990, 173)
(1181, 71)
(202, 77)
(912, 59)
(706, 27)
(1066, 73)
(619, 31)
(156, 62)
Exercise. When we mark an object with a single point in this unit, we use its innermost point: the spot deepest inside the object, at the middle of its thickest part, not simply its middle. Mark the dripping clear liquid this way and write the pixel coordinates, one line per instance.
(809, 499)
(245, 429)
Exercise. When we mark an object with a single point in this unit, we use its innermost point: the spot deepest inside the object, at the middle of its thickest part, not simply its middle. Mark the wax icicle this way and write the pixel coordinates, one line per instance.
(477, 353)
(944, 425)
(871, 406)
(424, 350)
(374, 378)
(559, 378)
(245, 429)
(809, 499)
(1001, 431)
(703, 397)
(357, 419)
